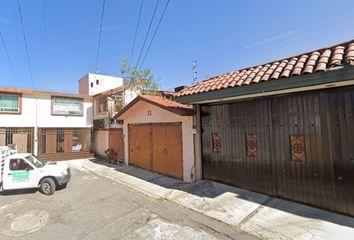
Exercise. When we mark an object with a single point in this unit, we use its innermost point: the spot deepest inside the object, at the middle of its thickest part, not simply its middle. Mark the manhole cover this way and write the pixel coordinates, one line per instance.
(29, 222)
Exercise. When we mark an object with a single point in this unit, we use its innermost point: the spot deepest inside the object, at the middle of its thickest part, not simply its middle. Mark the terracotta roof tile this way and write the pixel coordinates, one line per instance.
(172, 106)
(300, 65)
(289, 67)
(323, 61)
(315, 61)
(279, 69)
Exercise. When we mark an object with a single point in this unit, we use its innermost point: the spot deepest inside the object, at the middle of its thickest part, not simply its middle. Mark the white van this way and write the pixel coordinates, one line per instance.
(23, 170)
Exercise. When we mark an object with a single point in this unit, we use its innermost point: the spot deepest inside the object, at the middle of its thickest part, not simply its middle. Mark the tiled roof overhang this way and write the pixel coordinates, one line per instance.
(313, 66)
(171, 106)
(320, 80)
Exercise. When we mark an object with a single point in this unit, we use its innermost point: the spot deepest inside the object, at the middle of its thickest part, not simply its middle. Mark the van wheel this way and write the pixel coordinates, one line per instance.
(47, 186)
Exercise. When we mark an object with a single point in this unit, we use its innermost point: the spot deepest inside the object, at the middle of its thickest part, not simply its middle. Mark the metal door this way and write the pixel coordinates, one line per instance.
(236, 144)
(340, 110)
(301, 166)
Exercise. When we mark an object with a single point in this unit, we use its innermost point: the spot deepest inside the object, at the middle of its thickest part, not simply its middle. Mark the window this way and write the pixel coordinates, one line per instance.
(97, 82)
(67, 106)
(92, 84)
(34, 161)
(19, 164)
(9, 103)
(102, 104)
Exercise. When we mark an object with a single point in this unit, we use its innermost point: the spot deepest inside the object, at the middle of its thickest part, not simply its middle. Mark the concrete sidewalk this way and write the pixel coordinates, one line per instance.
(257, 214)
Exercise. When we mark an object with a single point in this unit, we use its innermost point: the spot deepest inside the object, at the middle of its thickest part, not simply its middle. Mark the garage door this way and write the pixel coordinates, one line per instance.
(298, 147)
(157, 147)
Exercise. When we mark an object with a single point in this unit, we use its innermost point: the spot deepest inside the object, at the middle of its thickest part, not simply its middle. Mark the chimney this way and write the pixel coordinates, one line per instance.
(180, 88)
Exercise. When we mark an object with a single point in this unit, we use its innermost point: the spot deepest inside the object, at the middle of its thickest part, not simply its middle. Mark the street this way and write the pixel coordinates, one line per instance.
(93, 207)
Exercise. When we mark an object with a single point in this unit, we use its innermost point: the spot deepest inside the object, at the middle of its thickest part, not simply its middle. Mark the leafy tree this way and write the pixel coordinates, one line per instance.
(141, 80)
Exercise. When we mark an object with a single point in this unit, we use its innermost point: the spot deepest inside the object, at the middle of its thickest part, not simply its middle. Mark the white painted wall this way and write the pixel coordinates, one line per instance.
(138, 114)
(129, 95)
(36, 111)
(105, 83)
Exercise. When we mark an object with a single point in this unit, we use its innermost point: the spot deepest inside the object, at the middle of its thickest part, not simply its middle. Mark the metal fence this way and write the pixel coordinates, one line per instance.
(21, 137)
(64, 140)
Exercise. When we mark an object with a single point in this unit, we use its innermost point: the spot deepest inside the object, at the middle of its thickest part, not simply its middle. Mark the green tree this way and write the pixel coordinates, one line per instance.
(141, 80)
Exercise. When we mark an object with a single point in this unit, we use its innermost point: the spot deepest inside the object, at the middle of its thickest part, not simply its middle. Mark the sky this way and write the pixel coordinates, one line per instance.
(221, 35)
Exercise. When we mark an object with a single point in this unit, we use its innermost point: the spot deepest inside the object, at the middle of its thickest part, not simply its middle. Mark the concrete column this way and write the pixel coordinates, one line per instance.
(35, 145)
(197, 144)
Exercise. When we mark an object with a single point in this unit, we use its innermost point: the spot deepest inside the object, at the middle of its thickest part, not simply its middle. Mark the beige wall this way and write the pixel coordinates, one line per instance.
(101, 142)
(138, 114)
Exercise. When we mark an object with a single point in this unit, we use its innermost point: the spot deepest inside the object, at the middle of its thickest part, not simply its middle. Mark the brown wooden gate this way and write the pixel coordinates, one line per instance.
(157, 147)
(298, 147)
(116, 143)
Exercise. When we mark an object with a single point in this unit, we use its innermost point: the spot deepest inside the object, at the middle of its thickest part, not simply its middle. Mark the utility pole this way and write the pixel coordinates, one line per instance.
(194, 69)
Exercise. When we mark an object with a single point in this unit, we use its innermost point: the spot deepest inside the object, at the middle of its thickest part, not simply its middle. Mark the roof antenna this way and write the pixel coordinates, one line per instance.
(194, 68)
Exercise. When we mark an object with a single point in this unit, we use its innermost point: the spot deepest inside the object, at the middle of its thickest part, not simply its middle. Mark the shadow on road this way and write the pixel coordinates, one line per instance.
(212, 190)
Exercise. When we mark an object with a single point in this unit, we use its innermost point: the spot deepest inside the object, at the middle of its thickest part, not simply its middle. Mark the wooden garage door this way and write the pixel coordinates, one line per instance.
(157, 147)
(140, 146)
(116, 143)
(167, 149)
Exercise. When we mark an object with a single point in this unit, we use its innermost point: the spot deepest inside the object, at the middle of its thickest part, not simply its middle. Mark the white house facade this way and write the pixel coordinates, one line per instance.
(92, 84)
(49, 124)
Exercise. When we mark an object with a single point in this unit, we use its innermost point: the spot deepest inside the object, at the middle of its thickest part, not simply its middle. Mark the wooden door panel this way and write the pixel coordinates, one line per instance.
(140, 152)
(50, 141)
(68, 141)
(167, 149)
(20, 139)
(116, 143)
(2, 137)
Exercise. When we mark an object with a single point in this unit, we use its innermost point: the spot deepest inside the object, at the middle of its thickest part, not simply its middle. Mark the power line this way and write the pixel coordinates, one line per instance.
(135, 35)
(46, 39)
(9, 59)
(100, 36)
(153, 37)
(147, 34)
(25, 40)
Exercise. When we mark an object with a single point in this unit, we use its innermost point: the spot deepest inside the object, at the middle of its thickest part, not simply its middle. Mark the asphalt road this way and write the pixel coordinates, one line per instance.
(93, 207)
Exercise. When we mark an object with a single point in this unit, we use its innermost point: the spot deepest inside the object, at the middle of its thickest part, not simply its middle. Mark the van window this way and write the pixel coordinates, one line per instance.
(19, 164)
(32, 159)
